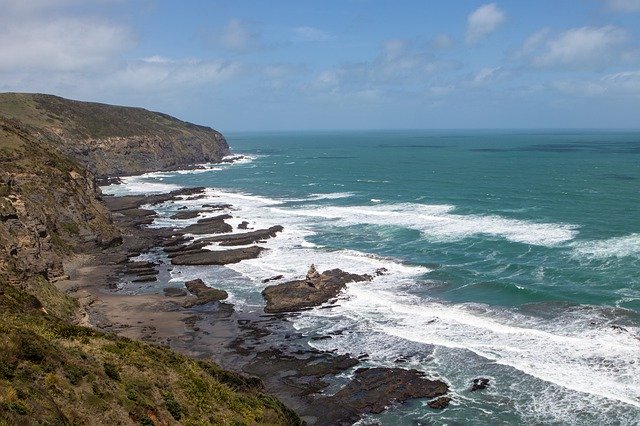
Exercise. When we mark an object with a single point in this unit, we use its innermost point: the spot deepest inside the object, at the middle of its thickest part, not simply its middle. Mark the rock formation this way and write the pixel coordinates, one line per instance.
(314, 290)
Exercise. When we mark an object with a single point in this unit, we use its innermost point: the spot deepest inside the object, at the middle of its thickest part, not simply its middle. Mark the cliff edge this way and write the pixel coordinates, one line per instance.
(114, 140)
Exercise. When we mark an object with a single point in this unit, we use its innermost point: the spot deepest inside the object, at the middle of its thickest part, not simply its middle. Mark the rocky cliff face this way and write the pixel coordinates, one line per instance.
(113, 140)
(49, 206)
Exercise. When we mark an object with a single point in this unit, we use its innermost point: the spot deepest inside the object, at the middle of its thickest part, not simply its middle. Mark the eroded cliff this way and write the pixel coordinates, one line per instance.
(114, 140)
(49, 206)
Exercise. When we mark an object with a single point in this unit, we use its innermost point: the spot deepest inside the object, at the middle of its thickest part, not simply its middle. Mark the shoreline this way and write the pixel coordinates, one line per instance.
(255, 343)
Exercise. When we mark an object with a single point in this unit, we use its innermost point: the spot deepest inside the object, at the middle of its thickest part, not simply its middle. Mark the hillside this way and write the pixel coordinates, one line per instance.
(51, 370)
(114, 140)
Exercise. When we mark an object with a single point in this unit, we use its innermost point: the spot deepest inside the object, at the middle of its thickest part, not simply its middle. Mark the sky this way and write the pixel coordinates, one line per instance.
(335, 64)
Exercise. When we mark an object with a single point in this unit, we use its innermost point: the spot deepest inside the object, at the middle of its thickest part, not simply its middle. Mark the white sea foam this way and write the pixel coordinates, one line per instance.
(330, 196)
(626, 246)
(240, 158)
(151, 183)
(568, 352)
(140, 185)
(439, 223)
(323, 196)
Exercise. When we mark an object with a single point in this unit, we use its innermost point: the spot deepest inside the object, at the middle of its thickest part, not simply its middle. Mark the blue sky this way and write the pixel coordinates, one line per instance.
(348, 64)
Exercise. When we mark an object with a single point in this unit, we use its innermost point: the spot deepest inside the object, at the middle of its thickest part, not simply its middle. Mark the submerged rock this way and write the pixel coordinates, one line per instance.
(440, 403)
(312, 291)
(479, 384)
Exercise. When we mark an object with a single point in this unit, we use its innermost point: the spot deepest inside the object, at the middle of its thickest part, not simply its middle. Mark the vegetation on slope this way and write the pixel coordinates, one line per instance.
(53, 372)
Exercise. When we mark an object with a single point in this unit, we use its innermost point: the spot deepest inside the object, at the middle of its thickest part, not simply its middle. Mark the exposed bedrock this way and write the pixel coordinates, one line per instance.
(210, 225)
(312, 291)
(246, 237)
(204, 294)
(373, 389)
(217, 257)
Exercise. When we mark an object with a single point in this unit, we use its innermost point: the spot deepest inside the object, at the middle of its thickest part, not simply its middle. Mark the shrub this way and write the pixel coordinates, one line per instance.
(172, 405)
(111, 371)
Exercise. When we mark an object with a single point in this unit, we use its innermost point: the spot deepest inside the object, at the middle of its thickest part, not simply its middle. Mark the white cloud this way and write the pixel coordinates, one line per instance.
(157, 73)
(585, 48)
(483, 21)
(533, 42)
(486, 75)
(61, 44)
(624, 5)
(622, 84)
(237, 37)
(306, 33)
(401, 68)
(441, 42)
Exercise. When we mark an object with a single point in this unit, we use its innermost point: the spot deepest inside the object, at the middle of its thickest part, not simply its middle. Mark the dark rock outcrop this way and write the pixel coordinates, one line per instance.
(204, 294)
(373, 389)
(218, 257)
(245, 238)
(186, 214)
(210, 225)
(313, 291)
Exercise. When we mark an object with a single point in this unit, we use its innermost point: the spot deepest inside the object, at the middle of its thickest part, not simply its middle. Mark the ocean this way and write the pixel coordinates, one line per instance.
(510, 255)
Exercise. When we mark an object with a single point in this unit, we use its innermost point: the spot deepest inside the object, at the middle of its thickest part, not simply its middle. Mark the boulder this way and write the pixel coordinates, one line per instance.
(440, 403)
(274, 278)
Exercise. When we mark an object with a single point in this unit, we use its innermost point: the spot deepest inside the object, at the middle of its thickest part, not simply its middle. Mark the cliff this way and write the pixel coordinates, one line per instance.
(114, 140)
(49, 206)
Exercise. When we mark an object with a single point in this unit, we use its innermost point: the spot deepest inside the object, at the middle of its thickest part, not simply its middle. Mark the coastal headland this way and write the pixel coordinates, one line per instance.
(89, 328)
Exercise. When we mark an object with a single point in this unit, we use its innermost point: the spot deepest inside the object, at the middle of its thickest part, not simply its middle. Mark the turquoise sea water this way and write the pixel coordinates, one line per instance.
(513, 255)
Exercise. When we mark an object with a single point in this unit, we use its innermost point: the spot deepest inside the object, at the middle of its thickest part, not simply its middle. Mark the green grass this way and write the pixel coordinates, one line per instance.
(54, 372)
